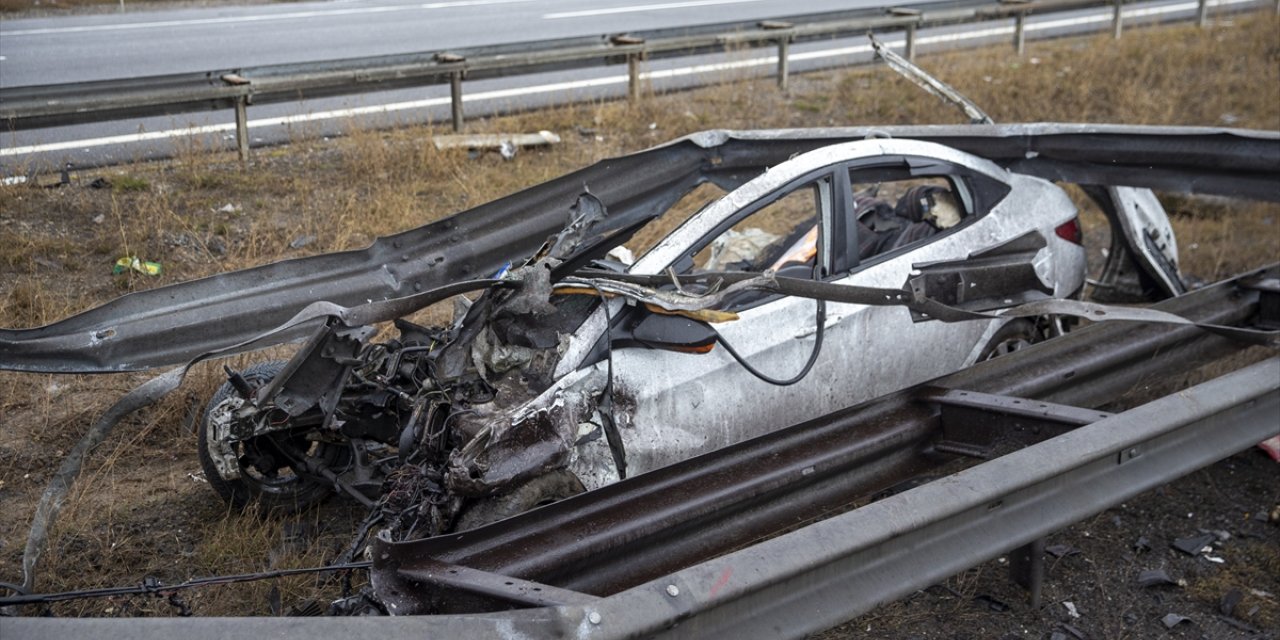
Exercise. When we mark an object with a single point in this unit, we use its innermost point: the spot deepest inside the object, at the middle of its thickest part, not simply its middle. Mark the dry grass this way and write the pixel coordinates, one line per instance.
(138, 511)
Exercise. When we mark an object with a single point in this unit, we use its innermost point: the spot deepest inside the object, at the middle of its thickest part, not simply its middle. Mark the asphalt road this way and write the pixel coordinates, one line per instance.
(98, 47)
(140, 44)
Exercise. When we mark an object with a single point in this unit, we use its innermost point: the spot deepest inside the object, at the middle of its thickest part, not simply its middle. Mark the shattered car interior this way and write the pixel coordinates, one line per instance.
(840, 265)
(564, 379)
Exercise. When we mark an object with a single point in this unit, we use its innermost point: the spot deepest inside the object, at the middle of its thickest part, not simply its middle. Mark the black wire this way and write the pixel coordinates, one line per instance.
(611, 427)
(813, 357)
(145, 589)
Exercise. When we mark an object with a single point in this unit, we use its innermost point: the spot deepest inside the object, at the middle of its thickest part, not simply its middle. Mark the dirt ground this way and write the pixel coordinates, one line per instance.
(142, 509)
(1095, 572)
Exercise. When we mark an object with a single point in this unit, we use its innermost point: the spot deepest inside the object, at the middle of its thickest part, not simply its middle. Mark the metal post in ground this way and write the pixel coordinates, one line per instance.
(910, 49)
(633, 77)
(1026, 567)
(1020, 33)
(784, 49)
(242, 113)
(633, 63)
(784, 44)
(242, 128)
(1117, 21)
(455, 99)
(1202, 14)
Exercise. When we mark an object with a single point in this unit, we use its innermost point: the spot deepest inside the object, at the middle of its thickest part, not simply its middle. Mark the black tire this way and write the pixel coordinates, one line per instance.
(1014, 335)
(542, 490)
(270, 491)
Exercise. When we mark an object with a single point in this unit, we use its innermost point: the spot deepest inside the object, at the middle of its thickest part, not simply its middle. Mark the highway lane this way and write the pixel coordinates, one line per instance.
(97, 47)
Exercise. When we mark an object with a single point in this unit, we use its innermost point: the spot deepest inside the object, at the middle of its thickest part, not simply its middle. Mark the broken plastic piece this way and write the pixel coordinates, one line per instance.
(1195, 545)
(1172, 620)
(1061, 550)
(1229, 601)
(126, 263)
(1154, 577)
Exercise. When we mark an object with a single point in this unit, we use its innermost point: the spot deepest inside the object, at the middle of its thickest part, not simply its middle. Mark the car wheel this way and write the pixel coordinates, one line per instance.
(540, 491)
(261, 474)
(1016, 334)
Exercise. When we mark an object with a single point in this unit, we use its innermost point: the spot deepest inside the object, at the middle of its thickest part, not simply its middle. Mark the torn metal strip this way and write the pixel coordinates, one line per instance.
(924, 80)
(924, 308)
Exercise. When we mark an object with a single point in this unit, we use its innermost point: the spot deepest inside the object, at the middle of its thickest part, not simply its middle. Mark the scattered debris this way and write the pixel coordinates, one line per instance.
(229, 208)
(1172, 620)
(504, 143)
(301, 241)
(1195, 545)
(100, 183)
(1142, 545)
(1229, 601)
(992, 603)
(1272, 447)
(1077, 633)
(1156, 577)
(1061, 550)
(1214, 559)
(144, 267)
(13, 181)
(98, 219)
(1071, 609)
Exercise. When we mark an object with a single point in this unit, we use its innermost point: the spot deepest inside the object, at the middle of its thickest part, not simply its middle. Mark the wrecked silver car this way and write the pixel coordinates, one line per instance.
(802, 291)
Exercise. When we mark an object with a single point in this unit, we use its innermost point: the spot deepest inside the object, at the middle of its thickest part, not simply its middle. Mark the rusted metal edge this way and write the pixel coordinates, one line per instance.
(171, 325)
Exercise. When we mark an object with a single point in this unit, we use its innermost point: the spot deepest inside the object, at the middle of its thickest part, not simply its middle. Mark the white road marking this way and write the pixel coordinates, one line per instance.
(639, 8)
(594, 82)
(296, 15)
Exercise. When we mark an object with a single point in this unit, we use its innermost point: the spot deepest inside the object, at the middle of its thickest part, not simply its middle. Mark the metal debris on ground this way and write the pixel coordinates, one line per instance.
(1156, 577)
(504, 143)
(1061, 550)
(1195, 545)
(1172, 620)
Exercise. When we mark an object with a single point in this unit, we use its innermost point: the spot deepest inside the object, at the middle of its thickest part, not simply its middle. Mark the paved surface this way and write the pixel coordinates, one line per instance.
(98, 47)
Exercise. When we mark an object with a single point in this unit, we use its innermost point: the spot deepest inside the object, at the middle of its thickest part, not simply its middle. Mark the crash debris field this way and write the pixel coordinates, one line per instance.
(143, 505)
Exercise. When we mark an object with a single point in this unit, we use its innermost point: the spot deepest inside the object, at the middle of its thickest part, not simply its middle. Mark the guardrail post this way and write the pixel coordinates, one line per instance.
(1020, 33)
(242, 114)
(1202, 14)
(784, 45)
(909, 50)
(1117, 20)
(455, 99)
(242, 128)
(784, 50)
(455, 86)
(633, 77)
(633, 64)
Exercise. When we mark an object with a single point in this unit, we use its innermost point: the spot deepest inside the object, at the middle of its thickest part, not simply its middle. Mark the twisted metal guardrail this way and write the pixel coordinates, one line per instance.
(35, 107)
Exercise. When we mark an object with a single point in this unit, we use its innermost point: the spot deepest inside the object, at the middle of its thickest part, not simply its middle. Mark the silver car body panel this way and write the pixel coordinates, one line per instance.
(677, 405)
